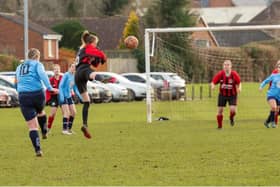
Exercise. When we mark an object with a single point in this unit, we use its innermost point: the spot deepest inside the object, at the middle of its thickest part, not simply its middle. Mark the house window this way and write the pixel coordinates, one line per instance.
(204, 3)
(202, 43)
(50, 50)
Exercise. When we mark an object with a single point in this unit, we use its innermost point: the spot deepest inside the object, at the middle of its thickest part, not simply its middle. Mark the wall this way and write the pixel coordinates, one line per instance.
(121, 61)
(11, 39)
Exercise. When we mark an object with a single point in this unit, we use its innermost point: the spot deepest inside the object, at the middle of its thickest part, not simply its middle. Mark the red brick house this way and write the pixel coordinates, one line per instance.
(12, 38)
(270, 15)
(211, 3)
(203, 38)
(108, 29)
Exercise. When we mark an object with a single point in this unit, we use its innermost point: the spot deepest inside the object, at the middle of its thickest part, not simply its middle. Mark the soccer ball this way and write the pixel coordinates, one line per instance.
(131, 42)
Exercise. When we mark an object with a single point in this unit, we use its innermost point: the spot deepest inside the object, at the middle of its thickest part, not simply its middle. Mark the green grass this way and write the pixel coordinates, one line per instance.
(125, 150)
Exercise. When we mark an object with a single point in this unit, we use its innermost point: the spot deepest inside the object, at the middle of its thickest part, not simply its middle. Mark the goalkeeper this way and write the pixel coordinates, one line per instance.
(89, 57)
(230, 86)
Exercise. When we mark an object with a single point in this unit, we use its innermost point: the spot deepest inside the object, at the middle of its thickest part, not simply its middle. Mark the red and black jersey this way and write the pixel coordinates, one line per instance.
(55, 83)
(91, 55)
(227, 83)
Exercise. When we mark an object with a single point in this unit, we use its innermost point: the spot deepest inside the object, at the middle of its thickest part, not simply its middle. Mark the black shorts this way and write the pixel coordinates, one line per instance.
(82, 74)
(31, 103)
(222, 100)
(53, 102)
(68, 101)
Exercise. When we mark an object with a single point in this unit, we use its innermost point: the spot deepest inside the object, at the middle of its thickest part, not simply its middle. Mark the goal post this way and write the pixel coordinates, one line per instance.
(149, 39)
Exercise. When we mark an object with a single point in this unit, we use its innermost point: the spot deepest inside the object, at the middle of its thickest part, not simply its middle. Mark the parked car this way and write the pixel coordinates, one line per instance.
(8, 73)
(136, 91)
(7, 81)
(7, 84)
(118, 92)
(93, 92)
(104, 92)
(13, 95)
(171, 81)
(4, 99)
(142, 78)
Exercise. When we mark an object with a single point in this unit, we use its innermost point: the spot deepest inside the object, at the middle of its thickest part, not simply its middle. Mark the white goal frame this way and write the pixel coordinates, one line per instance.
(150, 50)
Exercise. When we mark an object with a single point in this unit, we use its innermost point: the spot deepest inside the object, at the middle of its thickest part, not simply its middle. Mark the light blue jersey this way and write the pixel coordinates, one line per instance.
(66, 85)
(274, 90)
(31, 76)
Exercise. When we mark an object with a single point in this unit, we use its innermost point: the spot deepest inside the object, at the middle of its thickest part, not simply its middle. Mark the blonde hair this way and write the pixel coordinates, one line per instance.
(33, 54)
(55, 65)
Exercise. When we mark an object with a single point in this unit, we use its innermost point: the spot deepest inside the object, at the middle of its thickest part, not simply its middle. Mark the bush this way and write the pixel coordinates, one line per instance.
(8, 63)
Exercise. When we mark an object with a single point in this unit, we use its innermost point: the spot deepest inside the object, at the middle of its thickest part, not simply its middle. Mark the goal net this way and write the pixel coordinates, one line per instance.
(184, 60)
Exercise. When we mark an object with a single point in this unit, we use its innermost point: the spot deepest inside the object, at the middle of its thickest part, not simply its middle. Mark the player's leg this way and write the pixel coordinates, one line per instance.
(220, 117)
(39, 103)
(268, 120)
(232, 109)
(232, 113)
(34, 136)
(82, 75)
(276, 117)
(42, 120)
(92, 76)
(28, 110)
(277, 113)
(221, 104)
(273, 107)
(52, 116)
(73, 111)
(65, 118)
(86, 105)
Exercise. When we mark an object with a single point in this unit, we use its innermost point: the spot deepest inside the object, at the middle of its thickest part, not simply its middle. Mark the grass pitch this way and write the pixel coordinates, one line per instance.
(125, 150)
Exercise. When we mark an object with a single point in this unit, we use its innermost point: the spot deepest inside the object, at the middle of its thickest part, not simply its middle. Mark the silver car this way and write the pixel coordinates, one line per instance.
(7, 84)
(171, 81)
(119, 92)
(93, 92)
(104, 92)
(13, 96)
(136, 91)
(142, 78)
(7, 81)
(4, 99)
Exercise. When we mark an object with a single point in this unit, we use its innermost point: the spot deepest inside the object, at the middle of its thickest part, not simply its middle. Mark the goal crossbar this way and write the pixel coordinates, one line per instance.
(148, 31)
(216, 28)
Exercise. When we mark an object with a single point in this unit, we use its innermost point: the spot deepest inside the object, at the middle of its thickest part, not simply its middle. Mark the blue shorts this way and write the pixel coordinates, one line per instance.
(67, 101)
(272, 97)
(31, 103)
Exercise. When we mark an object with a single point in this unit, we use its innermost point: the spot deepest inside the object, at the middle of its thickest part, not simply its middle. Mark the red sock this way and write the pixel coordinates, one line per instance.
(50, 121)
(232, 114)
(220, 120)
